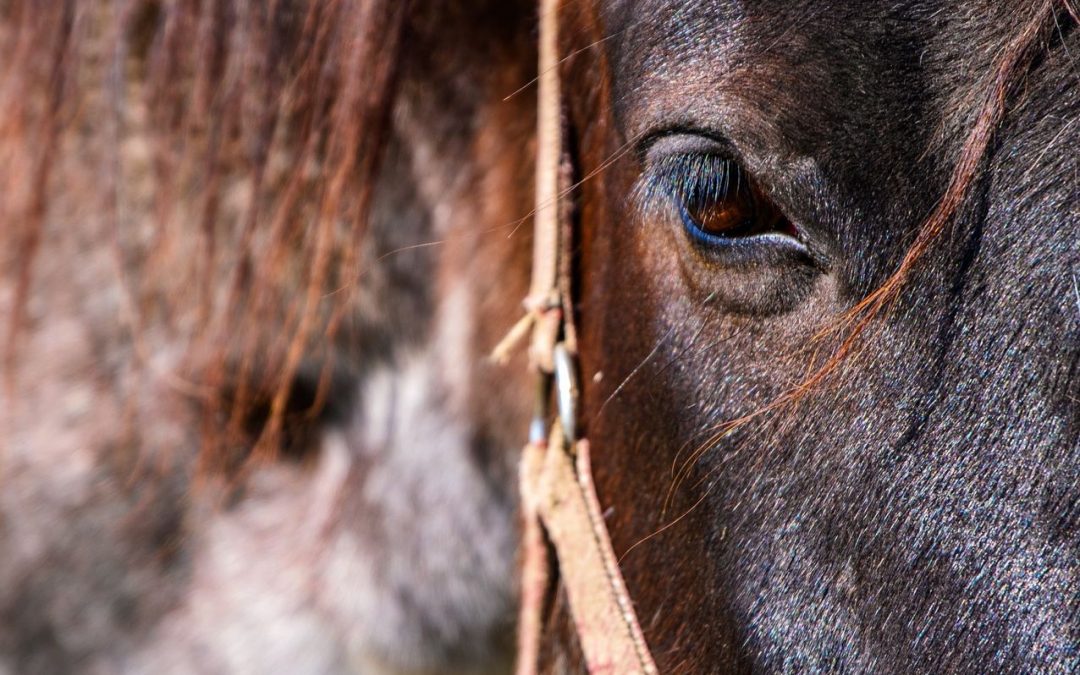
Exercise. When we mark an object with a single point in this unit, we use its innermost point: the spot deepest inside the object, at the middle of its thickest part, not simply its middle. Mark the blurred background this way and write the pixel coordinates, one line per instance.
(249, 284)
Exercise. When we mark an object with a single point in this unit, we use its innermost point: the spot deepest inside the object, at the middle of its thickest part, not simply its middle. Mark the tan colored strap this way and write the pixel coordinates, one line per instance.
(542, 305)
(543, 300)
(607, 627)
(534, 561)
(543, 317)
(548, 156)
(557, 493)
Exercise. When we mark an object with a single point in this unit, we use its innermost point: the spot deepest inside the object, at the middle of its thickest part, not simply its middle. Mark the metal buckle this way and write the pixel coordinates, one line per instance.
(538, 426)
(566, 390)
(566, 397)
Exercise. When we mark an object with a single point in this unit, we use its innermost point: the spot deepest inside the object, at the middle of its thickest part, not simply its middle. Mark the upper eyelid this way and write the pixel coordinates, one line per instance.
(684, 176)
(680, 139)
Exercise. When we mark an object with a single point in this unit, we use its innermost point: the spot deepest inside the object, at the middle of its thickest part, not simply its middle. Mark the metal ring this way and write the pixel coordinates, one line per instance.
(566, 390)
(538, 426)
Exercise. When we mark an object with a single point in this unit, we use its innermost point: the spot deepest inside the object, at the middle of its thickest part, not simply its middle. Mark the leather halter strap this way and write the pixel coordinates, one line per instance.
(558, 498)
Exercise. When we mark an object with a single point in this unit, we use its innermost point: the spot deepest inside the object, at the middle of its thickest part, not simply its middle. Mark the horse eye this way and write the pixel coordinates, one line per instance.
(738, 210)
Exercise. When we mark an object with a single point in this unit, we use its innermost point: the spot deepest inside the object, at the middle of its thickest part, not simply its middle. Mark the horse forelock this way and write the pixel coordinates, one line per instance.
(233, 178)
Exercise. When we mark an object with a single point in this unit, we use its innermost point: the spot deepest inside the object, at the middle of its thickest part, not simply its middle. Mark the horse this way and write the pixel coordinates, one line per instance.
(904, 502)
(823, 276)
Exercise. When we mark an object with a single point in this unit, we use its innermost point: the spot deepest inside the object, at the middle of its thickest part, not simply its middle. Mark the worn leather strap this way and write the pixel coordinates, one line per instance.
(558, 499)
(548, 156)
(558, 484)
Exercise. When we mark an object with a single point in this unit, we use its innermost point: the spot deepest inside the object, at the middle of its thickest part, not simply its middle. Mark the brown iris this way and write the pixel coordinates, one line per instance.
(739, 210)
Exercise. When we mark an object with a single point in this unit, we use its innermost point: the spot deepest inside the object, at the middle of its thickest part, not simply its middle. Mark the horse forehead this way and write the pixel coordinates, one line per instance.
(664, 33)
(776, 44)
(779, 76)
(719, 40)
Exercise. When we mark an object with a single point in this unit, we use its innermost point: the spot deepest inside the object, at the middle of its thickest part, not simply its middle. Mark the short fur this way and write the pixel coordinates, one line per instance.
(917, 510)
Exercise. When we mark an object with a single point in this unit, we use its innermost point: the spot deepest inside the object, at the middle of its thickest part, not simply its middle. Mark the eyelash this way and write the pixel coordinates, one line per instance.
(687, 179)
